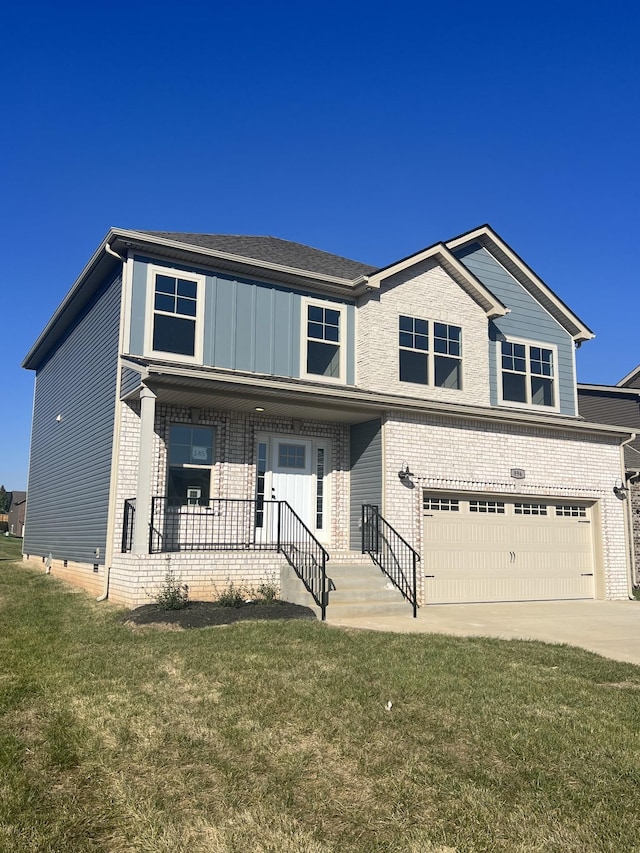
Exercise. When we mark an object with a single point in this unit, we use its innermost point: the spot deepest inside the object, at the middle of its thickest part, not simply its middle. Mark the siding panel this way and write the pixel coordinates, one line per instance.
(366, 472)
(70, 464)
(528, 319)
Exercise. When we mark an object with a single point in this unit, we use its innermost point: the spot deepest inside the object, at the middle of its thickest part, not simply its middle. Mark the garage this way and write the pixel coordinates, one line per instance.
(497, 548)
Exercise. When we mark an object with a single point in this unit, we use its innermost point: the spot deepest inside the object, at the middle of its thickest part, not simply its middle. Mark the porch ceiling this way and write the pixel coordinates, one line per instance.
(195, 393)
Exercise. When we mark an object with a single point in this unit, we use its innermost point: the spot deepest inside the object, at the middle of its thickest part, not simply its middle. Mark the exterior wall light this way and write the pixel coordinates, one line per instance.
(620, 490)
(404, 474)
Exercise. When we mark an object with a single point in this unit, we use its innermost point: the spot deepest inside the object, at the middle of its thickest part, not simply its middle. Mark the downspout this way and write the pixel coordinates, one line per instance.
(628, 519)
(116, 434)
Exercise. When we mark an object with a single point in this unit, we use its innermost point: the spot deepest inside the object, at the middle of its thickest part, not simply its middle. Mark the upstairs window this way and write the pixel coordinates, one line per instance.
(176, 298)
(324, 347)
(430, 353)
(528, 375)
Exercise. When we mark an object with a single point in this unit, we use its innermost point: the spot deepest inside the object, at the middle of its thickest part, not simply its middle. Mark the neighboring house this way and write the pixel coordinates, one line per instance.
(203, 400)
(16, 514)
(620, 404)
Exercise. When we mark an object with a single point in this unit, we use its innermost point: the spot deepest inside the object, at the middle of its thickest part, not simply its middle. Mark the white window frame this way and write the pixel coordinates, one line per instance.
(157, 269)
(342, 343)
(514, 404)
(430, 353)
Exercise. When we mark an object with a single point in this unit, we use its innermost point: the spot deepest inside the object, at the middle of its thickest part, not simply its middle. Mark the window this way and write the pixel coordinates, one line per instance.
(494, 507)
(291, 456)
(324, 339)
(527, 374)
(190, 462)
(443, 504)
(430, 353)
(571, 511)
(175, 316)
(530, 509)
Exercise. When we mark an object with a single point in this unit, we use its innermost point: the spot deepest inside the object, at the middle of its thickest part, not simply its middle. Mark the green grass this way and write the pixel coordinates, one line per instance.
(275, 737)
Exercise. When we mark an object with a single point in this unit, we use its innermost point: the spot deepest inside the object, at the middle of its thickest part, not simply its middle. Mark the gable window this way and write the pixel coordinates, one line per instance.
(527, 374)
(430, 353)
(176, 298)
(190, 460)
(324, 341)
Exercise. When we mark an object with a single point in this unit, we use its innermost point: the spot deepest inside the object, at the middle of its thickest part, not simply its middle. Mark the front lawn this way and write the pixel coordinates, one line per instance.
(275, 736)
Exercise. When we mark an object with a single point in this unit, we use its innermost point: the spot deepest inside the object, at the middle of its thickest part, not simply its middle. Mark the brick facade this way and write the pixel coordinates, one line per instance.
(461, 455)
(234, 476)
(635, 514)
(429, 293)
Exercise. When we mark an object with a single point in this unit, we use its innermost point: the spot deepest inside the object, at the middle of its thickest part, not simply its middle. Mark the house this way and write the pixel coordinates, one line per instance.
(620, 404)
(16, 514)
(246, 408)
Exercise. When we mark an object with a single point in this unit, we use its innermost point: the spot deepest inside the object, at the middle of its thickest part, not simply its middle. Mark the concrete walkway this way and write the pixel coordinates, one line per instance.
(609, 628)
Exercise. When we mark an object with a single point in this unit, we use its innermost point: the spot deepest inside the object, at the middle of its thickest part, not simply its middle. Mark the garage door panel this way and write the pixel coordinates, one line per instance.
(527, 552)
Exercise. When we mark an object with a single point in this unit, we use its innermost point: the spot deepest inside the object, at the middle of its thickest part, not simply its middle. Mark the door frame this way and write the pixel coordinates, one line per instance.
(264, 474)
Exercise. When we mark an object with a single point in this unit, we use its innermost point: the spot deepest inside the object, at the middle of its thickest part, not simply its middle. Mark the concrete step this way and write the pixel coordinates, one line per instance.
(336, 611)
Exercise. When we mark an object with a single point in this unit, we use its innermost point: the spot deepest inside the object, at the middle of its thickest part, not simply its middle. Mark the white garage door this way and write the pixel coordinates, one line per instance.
(500, 549)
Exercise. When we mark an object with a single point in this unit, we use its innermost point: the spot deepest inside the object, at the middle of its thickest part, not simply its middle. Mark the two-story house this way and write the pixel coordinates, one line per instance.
(241, 408)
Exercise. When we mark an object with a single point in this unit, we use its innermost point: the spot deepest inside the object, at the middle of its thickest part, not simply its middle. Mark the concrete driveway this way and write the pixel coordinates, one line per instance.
(609, 628)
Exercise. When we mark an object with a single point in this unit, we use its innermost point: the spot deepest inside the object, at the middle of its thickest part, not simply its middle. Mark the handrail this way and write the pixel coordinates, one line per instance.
(127, 524)
(232, 524)
(391, 553)
(304, 553)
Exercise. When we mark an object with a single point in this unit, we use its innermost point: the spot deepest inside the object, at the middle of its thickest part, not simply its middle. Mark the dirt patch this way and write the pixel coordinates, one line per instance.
(205, 614)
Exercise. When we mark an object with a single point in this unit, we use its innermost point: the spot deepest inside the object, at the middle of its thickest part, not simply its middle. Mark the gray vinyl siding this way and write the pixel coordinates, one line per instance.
(129, 381)
(605, 407)
(527, 319)
(70, 465)
(248, 325)
(366, 473)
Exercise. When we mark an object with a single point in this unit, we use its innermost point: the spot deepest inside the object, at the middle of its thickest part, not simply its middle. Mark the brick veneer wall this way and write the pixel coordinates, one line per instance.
(461, 455)
(429, 293)
(233, 477)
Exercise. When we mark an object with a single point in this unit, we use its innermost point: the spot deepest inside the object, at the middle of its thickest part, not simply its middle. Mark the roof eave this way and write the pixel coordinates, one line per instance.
(578, 330)
(492, 306)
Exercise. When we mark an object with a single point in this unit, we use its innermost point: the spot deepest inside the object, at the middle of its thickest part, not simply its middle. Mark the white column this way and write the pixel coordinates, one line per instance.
(145, 465)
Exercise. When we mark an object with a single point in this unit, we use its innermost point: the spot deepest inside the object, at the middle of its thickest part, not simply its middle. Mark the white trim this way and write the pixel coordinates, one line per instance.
(341, 308)
(512, 404)
(152, 271)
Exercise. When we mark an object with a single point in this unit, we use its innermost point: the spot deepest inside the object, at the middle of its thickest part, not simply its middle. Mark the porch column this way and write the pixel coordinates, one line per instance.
(145, 461)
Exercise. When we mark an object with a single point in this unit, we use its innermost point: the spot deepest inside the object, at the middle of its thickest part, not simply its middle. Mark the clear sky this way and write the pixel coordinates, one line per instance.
(368, 129)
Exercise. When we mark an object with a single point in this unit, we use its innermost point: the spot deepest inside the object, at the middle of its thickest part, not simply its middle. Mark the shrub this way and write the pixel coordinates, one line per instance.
(172, 595)
(268, 592)
(232, 596)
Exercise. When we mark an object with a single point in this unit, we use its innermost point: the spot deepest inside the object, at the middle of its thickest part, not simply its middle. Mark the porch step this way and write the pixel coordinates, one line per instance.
(359, 588)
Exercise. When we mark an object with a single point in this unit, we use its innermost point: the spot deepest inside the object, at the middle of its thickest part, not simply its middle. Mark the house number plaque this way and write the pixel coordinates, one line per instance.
(518, 473)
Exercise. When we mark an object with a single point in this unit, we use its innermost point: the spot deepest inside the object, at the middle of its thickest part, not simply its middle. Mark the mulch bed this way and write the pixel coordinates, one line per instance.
(204, 614)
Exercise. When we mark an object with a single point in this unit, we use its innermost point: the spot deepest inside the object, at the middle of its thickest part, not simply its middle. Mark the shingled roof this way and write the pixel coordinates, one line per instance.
(273, 250)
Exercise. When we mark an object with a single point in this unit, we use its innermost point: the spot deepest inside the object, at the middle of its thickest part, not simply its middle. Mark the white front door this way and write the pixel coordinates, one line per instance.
(294, 470)
(291, 476)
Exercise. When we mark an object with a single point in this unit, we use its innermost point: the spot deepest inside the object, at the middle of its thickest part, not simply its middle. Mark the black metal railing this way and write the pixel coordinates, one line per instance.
(127, 524)
(393, 554)
(235, 524)
(304, 554)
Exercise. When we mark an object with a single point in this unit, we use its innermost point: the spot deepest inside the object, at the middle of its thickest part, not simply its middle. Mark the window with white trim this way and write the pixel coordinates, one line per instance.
(324, 340)
(190, 461)
(430, 353)
(176, 298)
(527, 374)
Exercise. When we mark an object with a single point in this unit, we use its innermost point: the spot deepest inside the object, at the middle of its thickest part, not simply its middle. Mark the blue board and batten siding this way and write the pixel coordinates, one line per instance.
(70, 464)
(248, 326)
(527, 319)
(366, 473)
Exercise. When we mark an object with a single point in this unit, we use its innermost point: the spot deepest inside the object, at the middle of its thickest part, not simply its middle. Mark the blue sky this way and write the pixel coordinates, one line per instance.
(369, 130)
